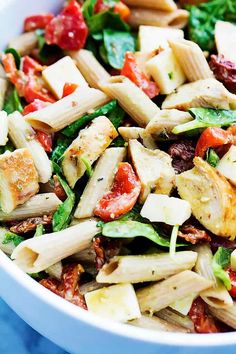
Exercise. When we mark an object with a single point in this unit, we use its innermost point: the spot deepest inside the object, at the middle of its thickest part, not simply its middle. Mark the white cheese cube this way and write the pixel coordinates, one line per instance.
(166, 71)
(61, 72)
(170, 210)
(116, 302)
(151, 37)
(227, 165)
(233, 260)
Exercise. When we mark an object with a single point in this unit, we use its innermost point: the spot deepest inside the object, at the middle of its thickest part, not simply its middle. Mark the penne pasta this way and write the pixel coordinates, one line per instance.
(90, 286)
(4, 128)
(38, 253)
(90, 144)
(150, 17)
(90, 67)
(217, 296)
(164, 5)
(100, 182)
(3, 90)
(155, 297)
(158, 324)
(151, 38)
(226, 315)
(23, 136)
(128, 133)
(38, 205)
(132, 99)
(62, 72)
(24, 43)
(191, 59)
(137, 269)
(225, 33)
(68, 109)
(176, 318)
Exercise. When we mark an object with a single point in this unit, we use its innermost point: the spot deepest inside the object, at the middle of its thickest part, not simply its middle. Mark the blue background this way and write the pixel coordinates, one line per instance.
(17, 337)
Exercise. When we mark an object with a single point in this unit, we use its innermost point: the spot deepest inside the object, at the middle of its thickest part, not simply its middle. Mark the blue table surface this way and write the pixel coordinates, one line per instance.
(15, 333)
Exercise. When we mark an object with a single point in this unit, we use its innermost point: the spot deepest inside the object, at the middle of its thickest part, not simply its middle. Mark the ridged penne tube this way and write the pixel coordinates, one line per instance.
(217, 296)
(164, 5)
(133, 100)
(151, 38)
(89, 66)
(128, 133)
(192, 60)
(90, 144)
(100, 182)
(227, 316)
(175, 318)
(150, 17)
(38, 253)
(165, 121)
(158, 324)
(39, 204)
(155, 297)
(3, 90)
(225, 33)
(23, 136)
(137, 269)
(24, 43)
(62, 72)
(6, 247)
(3, 128)
(58, 115)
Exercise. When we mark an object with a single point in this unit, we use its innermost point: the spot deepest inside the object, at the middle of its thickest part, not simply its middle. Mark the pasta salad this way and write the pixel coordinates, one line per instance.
(117, 159)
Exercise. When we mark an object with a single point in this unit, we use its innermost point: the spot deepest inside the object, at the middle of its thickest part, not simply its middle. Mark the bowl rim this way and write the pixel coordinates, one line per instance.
(122, 330)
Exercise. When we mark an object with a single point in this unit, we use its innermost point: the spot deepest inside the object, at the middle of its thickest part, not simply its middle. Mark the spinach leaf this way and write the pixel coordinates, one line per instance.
(8, 147)
(86, 162)
(202, 20)
(212, 158)
(13, 103)
(62, 144)
(39, 230)
(106, 19)
(16, 56)
(11, 237)
(62, 216)
(118, 142)
(207, 117)
(117, 43)
(88, 8)
(130, 229)
(221, 259)
(73, 128)
(117, 116)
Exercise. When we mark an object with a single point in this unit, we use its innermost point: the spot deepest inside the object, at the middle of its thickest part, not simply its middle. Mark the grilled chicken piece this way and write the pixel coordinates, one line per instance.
(208, 93)
(153, 168)
(212, 198)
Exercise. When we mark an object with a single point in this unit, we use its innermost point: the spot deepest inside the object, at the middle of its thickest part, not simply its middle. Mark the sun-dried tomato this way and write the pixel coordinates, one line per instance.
(30, 224)
(105, 249)
(224, 71)
(203, 322)
(192, 234)
(182, 153)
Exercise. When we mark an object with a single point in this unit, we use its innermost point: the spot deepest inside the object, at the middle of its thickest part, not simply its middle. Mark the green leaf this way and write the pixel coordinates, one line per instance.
(73, 128)
(39, 230)
(88, 166)
(117, 43)
(212, 158)
(88, 8)
(221, 259)
(207, 117)
(117, 116)
(110, 3)
(62, 216)
(173, 239)
(106, 19)
(202, 20)
(16, 56)
(8, 147)
(130, 229)
(37, 276)
(11, 237)
(62, 144)
(13, 103)
(118, 142)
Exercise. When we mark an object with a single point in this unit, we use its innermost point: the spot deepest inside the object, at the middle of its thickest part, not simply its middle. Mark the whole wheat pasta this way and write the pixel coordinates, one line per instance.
(157, 324)
(175, 318)
(227, 315)
(164, 5)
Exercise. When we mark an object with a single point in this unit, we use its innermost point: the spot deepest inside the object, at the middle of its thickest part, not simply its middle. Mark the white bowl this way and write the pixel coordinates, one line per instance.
(72, 328)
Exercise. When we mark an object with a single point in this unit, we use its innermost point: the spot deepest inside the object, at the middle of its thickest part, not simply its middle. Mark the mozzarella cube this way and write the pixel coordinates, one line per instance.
(116, 302)
(166, 71)
(151, 37)
(227, 165)
(61, 72)
(170, 210)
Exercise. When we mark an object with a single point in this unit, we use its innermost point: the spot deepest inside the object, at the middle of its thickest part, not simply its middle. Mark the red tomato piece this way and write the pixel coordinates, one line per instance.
(212, 138)
(34, 89)
(31, 66)
(68, 30)
(203, 322)
(68, 89)
(131, 70)
(232, 275)
(100, 6)
(34, 22)
(34, 106)
(123, 10)
(123, 195)
(45, 140)
(10, 68)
